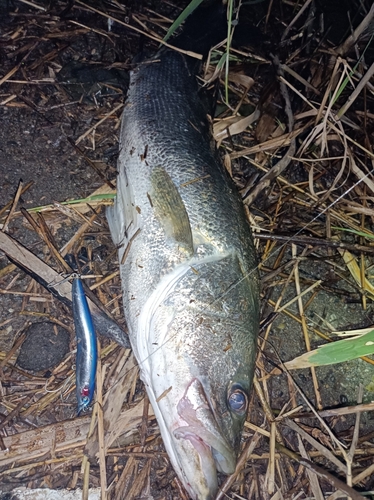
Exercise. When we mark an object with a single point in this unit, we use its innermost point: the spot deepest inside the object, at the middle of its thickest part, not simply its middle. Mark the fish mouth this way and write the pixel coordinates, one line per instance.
(203, 432)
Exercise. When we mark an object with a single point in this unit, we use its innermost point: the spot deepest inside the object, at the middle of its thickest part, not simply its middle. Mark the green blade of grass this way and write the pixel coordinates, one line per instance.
(181, 18)
(351, 73)
(335, 352)
(90, 199)
(354, 231)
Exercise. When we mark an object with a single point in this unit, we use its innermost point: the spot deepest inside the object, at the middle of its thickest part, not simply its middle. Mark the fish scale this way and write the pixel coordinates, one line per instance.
(189, 279)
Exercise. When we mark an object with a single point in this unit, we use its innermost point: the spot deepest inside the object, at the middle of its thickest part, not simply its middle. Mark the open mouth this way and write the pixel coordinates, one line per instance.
(204, 433)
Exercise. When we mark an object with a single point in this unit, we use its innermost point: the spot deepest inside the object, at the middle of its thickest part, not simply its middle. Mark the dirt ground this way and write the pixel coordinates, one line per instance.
(51, 136)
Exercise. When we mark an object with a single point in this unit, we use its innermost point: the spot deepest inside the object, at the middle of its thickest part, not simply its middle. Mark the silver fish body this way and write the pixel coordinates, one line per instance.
(188, 271)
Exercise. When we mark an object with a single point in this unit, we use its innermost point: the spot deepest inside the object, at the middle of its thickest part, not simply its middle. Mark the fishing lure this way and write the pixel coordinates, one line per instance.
(86, 360)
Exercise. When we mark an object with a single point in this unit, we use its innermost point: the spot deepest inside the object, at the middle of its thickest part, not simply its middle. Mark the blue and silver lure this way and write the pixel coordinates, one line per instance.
(86, 360)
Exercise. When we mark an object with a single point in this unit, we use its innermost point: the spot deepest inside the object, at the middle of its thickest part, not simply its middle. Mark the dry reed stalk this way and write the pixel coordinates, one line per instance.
(271, 467)
(94, 127)
(318, 446)
(84, 228)
(104, 280)
(305, 328)
(323, 424)
(265, 405)
(313, 478)
(100, 424)
(20, 338)
(13, 207)
(72, 213)
(354, 441)
(353, 37)
(129, 26)
(249, 447)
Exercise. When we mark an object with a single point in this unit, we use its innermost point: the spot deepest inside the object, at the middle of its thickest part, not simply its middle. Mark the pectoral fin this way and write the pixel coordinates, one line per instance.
(170, 209)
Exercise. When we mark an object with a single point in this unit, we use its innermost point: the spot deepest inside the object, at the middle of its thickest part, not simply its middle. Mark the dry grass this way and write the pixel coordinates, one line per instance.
(302, 160)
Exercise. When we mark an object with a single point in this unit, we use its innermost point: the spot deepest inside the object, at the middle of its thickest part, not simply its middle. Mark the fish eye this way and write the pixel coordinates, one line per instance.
(237, 400)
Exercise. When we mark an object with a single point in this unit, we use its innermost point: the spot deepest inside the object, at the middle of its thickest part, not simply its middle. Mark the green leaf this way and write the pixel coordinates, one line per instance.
(90, 199)
(181, 18)
(348, 78)
(336, 352)
(354, 231)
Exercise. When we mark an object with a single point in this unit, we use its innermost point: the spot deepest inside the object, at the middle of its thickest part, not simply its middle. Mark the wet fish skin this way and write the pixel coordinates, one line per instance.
(189, 279)
(86, 359)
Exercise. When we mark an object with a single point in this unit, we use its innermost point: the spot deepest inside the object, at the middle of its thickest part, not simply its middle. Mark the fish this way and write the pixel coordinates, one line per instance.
(86, 359)
(188, 270)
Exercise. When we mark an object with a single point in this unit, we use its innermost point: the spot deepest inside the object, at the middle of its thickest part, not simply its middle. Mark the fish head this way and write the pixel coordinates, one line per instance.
(200, 372)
